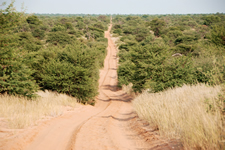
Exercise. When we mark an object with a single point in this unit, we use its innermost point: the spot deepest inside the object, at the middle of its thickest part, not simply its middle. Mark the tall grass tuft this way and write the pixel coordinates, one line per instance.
(128, 89)
(21, 112)
(189, 113)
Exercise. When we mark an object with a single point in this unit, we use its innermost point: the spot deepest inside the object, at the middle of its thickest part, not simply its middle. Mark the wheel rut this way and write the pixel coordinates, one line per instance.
(106, 126)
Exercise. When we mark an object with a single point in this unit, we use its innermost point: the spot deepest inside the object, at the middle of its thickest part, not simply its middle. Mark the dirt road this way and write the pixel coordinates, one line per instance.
(110, 124)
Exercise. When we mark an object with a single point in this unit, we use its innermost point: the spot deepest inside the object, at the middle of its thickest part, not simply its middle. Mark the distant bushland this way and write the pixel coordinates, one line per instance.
(51, 52)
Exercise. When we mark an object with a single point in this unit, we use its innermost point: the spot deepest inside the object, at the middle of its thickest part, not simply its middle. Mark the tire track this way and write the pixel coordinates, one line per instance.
(110, 124)
(107, 68)
(99, 130)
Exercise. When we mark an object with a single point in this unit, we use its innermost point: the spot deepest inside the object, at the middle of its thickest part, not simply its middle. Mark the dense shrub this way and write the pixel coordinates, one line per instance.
(218, 34)
(157, 25)
(29, 60)
(38, 33)
(184, 48)
(71, 70)
(58, 28)
(151, 67)
(210, 19)
(65, 77)
(15, 76)
(61, 38)
(117, 31)
(180, 50)
(28, 42)
(33, 20)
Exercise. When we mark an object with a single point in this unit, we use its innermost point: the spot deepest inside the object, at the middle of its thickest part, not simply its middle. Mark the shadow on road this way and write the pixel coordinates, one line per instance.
(119, 119)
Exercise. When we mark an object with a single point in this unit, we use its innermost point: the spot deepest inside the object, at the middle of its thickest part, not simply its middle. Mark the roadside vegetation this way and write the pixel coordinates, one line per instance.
(176, 66)
(20, 112)
(192, 114)
(58, 53)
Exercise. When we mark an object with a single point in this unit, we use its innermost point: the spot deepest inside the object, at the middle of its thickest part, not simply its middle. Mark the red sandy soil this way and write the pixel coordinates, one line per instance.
(110, 124)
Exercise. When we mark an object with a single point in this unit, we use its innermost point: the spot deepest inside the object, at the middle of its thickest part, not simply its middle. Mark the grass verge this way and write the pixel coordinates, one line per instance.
(192, 114)
(20, 112)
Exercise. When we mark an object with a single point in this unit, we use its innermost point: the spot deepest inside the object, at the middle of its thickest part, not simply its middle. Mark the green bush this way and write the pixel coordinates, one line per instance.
(69, 25)
(148, 61)
(80, 25)
(61, 38)
(152, 68)
(118, 31)
(38, 33)
(58, 28)
(184, 48)
(28, 64)
(218, 34)
(28, 42)
(210, 19)
(15, 76)
(157, 26)
(185, 39)
(65, 77)
(33, 20)
(174, 34)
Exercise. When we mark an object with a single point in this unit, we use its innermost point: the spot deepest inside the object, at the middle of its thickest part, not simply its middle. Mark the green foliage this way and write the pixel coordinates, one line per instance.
(65, 77)
(145, 16)
(28, 63)
(60, 38)
(72, 70)
(186, 39)
(182, 50)
(80, 25)
(28, 42)
(15, 76)
(69, 25)
(157, 25)
(210, 19)
(94, 33)
(38, 33)
(151, 67)
(100, 25)
(33, 20)
(117, 26)
(58, 28)
(117, 31)
(218, 34)
(174, 34)
(192, 24)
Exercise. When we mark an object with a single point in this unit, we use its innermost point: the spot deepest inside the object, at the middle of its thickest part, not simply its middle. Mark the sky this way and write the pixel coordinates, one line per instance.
(120, 6)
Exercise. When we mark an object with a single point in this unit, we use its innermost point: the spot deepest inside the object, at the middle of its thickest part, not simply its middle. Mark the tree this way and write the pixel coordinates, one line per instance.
(210, 19)
(15, 76)
(61, 38)
(80, 25)
(33, 20)
(157, 26)
(38, 33)
(218, 34)
(69, 25)
(58, 28)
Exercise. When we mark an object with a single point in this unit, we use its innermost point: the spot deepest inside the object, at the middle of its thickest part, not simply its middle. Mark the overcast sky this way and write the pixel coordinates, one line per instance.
(120, 6)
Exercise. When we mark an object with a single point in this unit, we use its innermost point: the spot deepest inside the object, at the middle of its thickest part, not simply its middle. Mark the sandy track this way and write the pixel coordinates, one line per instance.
(111, 124)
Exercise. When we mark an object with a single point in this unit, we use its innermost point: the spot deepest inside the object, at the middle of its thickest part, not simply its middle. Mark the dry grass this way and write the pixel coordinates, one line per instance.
(20, 112)
(189, 113)
(128, 89)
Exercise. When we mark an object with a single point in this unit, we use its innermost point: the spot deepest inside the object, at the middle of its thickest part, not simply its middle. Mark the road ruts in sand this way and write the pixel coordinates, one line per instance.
(109, 129)
(110, 125)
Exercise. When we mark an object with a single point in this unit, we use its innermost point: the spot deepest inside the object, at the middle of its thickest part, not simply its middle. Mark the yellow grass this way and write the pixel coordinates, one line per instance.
(128, 89)
(189, 113)
(20, 112)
